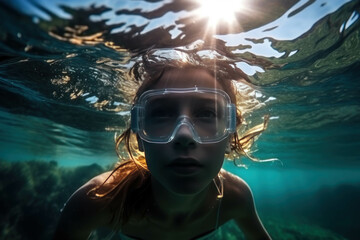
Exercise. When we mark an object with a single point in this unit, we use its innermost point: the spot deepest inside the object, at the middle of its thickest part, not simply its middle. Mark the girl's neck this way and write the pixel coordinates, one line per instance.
(173, 207)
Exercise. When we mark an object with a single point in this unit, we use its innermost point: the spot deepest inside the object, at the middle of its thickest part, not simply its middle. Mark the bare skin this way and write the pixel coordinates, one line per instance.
(82, 215)
(185, 207)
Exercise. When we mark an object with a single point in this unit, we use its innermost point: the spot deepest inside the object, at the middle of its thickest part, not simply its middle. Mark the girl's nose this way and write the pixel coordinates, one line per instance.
(184, 137)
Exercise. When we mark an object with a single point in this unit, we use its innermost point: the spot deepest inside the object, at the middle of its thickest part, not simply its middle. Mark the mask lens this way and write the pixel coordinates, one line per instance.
(160, 117)
(209, 118)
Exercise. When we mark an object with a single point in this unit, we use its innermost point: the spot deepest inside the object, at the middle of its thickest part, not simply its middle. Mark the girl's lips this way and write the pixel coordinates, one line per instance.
(185, 166)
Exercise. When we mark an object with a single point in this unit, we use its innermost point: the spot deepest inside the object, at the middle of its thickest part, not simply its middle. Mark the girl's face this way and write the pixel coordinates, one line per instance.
(184, 166)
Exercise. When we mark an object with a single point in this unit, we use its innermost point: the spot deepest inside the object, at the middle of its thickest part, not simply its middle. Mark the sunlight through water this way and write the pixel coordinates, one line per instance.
(217, 11)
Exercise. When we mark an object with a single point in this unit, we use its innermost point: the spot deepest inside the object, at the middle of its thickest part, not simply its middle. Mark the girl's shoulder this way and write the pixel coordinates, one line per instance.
(234, 185)
(239, 205)
(237, 194)
(82, 193)
(82, 213)
(81, 199)
(98, 180)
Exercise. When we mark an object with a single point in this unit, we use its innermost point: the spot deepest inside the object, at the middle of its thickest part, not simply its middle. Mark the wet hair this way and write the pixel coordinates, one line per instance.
(128, 188)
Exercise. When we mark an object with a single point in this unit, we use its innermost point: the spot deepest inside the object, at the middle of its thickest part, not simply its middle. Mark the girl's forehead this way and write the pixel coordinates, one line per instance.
(186, 78)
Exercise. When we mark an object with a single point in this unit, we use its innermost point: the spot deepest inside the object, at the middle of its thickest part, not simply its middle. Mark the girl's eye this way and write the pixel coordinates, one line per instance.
(162, 114)
(206, 114)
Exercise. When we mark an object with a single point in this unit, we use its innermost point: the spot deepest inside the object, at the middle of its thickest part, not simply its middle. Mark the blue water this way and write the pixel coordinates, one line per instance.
(62, 98)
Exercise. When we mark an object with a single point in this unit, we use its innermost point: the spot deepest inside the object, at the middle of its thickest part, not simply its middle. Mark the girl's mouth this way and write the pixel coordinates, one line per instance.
(185, 166)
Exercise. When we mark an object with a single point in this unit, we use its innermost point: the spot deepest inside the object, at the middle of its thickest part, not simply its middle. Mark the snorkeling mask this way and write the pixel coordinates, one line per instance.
(159, 114)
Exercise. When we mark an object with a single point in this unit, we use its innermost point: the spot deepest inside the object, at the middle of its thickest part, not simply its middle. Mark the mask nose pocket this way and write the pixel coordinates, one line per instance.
(184, 130)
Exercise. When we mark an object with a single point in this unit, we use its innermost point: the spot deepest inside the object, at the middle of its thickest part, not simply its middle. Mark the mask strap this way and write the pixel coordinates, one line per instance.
(220, 188)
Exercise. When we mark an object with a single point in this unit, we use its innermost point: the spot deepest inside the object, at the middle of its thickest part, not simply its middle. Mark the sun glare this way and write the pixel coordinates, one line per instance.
(217, 11)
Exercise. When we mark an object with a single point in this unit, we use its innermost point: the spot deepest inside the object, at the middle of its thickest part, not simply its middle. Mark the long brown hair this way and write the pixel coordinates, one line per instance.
(128, 190)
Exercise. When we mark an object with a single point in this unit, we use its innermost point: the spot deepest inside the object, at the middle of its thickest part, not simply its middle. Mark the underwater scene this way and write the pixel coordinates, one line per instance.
(64, 96)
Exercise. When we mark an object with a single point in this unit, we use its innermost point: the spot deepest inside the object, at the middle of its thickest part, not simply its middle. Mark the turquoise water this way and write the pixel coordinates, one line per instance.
(61, 101)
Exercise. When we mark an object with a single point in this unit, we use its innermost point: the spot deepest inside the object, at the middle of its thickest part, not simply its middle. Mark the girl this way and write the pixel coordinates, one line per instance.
(183, 123)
